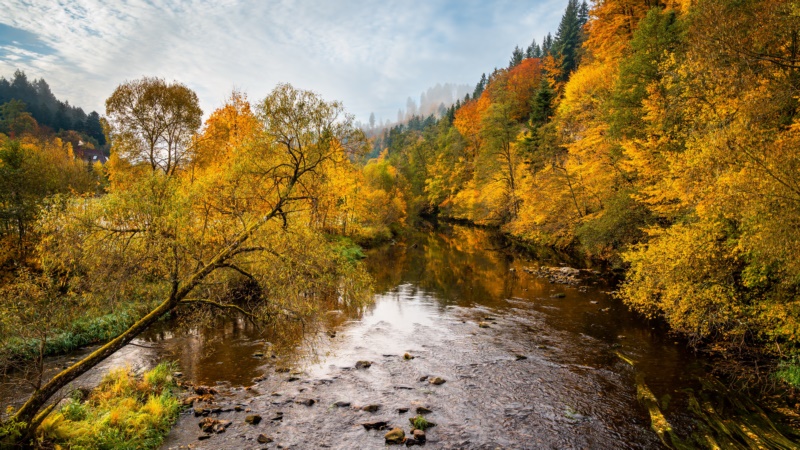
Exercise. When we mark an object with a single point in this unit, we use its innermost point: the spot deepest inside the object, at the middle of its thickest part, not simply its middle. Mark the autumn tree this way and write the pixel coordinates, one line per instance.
(186, 241)
(152, 122)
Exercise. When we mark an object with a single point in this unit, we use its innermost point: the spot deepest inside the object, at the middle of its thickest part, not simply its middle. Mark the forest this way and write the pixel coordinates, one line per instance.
(658, 137)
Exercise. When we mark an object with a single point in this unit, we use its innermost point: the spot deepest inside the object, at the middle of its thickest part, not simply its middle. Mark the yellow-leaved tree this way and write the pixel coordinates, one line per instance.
(225, 227)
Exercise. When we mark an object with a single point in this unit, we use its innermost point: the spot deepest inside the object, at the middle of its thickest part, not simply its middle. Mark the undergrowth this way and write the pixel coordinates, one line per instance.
(789, 373)
(123, 412)
(81, 333)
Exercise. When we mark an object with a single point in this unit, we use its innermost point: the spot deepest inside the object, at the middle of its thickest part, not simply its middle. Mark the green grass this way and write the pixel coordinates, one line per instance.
(81, 333)
(789, 372)
(348, 249)
(123, 412)
(420, 423)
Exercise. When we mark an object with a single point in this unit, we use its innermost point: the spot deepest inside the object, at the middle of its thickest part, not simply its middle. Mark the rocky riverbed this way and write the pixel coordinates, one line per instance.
(498, 348)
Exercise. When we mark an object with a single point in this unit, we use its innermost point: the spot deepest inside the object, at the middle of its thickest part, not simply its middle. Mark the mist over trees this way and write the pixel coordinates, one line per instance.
(433, 101)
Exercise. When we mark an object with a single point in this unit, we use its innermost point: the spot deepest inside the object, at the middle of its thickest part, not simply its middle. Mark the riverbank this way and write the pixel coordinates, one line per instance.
(526, 362)
(747, 365)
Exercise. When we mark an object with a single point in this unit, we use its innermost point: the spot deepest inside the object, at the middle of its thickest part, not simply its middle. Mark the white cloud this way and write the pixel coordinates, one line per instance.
(371, 55)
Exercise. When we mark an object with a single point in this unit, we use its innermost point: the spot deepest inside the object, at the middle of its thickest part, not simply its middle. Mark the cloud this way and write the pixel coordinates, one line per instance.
(370, 55)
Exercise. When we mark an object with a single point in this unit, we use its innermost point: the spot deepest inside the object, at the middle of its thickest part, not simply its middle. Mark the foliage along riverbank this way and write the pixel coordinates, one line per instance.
(124, 411)
(656, 136)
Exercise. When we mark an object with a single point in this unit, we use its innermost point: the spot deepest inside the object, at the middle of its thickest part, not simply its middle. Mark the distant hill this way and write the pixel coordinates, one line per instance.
(48, 110)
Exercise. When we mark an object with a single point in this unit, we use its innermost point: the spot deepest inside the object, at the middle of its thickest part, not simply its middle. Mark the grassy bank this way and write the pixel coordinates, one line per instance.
(123, 412)
(83, 332)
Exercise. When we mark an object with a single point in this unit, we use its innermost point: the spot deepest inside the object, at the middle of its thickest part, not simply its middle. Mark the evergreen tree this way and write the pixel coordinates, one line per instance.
(583, 13)
(94, 129)
(568, 38)
(479, 87)
(533, 50)
(516, 57)
(542, 104)
(547, 44)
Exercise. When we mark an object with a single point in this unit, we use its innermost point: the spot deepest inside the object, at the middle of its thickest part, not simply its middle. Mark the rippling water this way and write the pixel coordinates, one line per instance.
(544, 372)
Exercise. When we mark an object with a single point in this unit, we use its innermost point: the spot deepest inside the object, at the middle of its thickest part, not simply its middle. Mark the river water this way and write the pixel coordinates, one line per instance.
(527, 363)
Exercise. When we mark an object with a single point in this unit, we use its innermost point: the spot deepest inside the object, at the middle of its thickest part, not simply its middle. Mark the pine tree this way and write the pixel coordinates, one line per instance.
(568, 38)
(480, 87)
(533, 50)
(547, 45)
(516, 57)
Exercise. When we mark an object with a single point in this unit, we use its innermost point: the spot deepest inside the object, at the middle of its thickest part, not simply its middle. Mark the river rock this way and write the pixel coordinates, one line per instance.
(363, 364)
(209, 425)
(419, 435)
(395, 436)
(483, 324)
(221, 425)
(423, 410)
(558, 295)
(306, 401)
(263, 439)
(379, 425)
(204, 390)
(253, 419)
(341, 404)
(278, 416)
(402, 410)
(371, 408)
(203, 437)
(437, 381)
(407, 356)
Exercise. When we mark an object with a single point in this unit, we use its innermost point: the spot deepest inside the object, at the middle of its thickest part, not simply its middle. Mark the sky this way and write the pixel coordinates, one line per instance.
(371, 55)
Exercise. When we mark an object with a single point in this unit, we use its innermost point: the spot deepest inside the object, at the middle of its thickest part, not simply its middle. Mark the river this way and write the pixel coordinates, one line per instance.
(526, 363)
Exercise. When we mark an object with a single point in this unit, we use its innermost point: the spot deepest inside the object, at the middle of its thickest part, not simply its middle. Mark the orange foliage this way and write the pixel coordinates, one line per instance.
(611, 26)
(468, 122)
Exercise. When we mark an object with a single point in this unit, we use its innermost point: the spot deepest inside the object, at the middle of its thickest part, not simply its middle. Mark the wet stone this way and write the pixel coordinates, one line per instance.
(203, 437)
(253, 419)
(371, 408)
(402, 410)
(395, 436)
(306, 401)
(423, 410)
(379, 425)
(437, 381)
(419, 436)
(263, 439)
(204, 390)
(363, 364)
(483, 324)
(341, 404)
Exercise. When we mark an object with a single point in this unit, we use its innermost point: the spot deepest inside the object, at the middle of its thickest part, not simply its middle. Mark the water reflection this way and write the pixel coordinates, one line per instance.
(545, 369)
